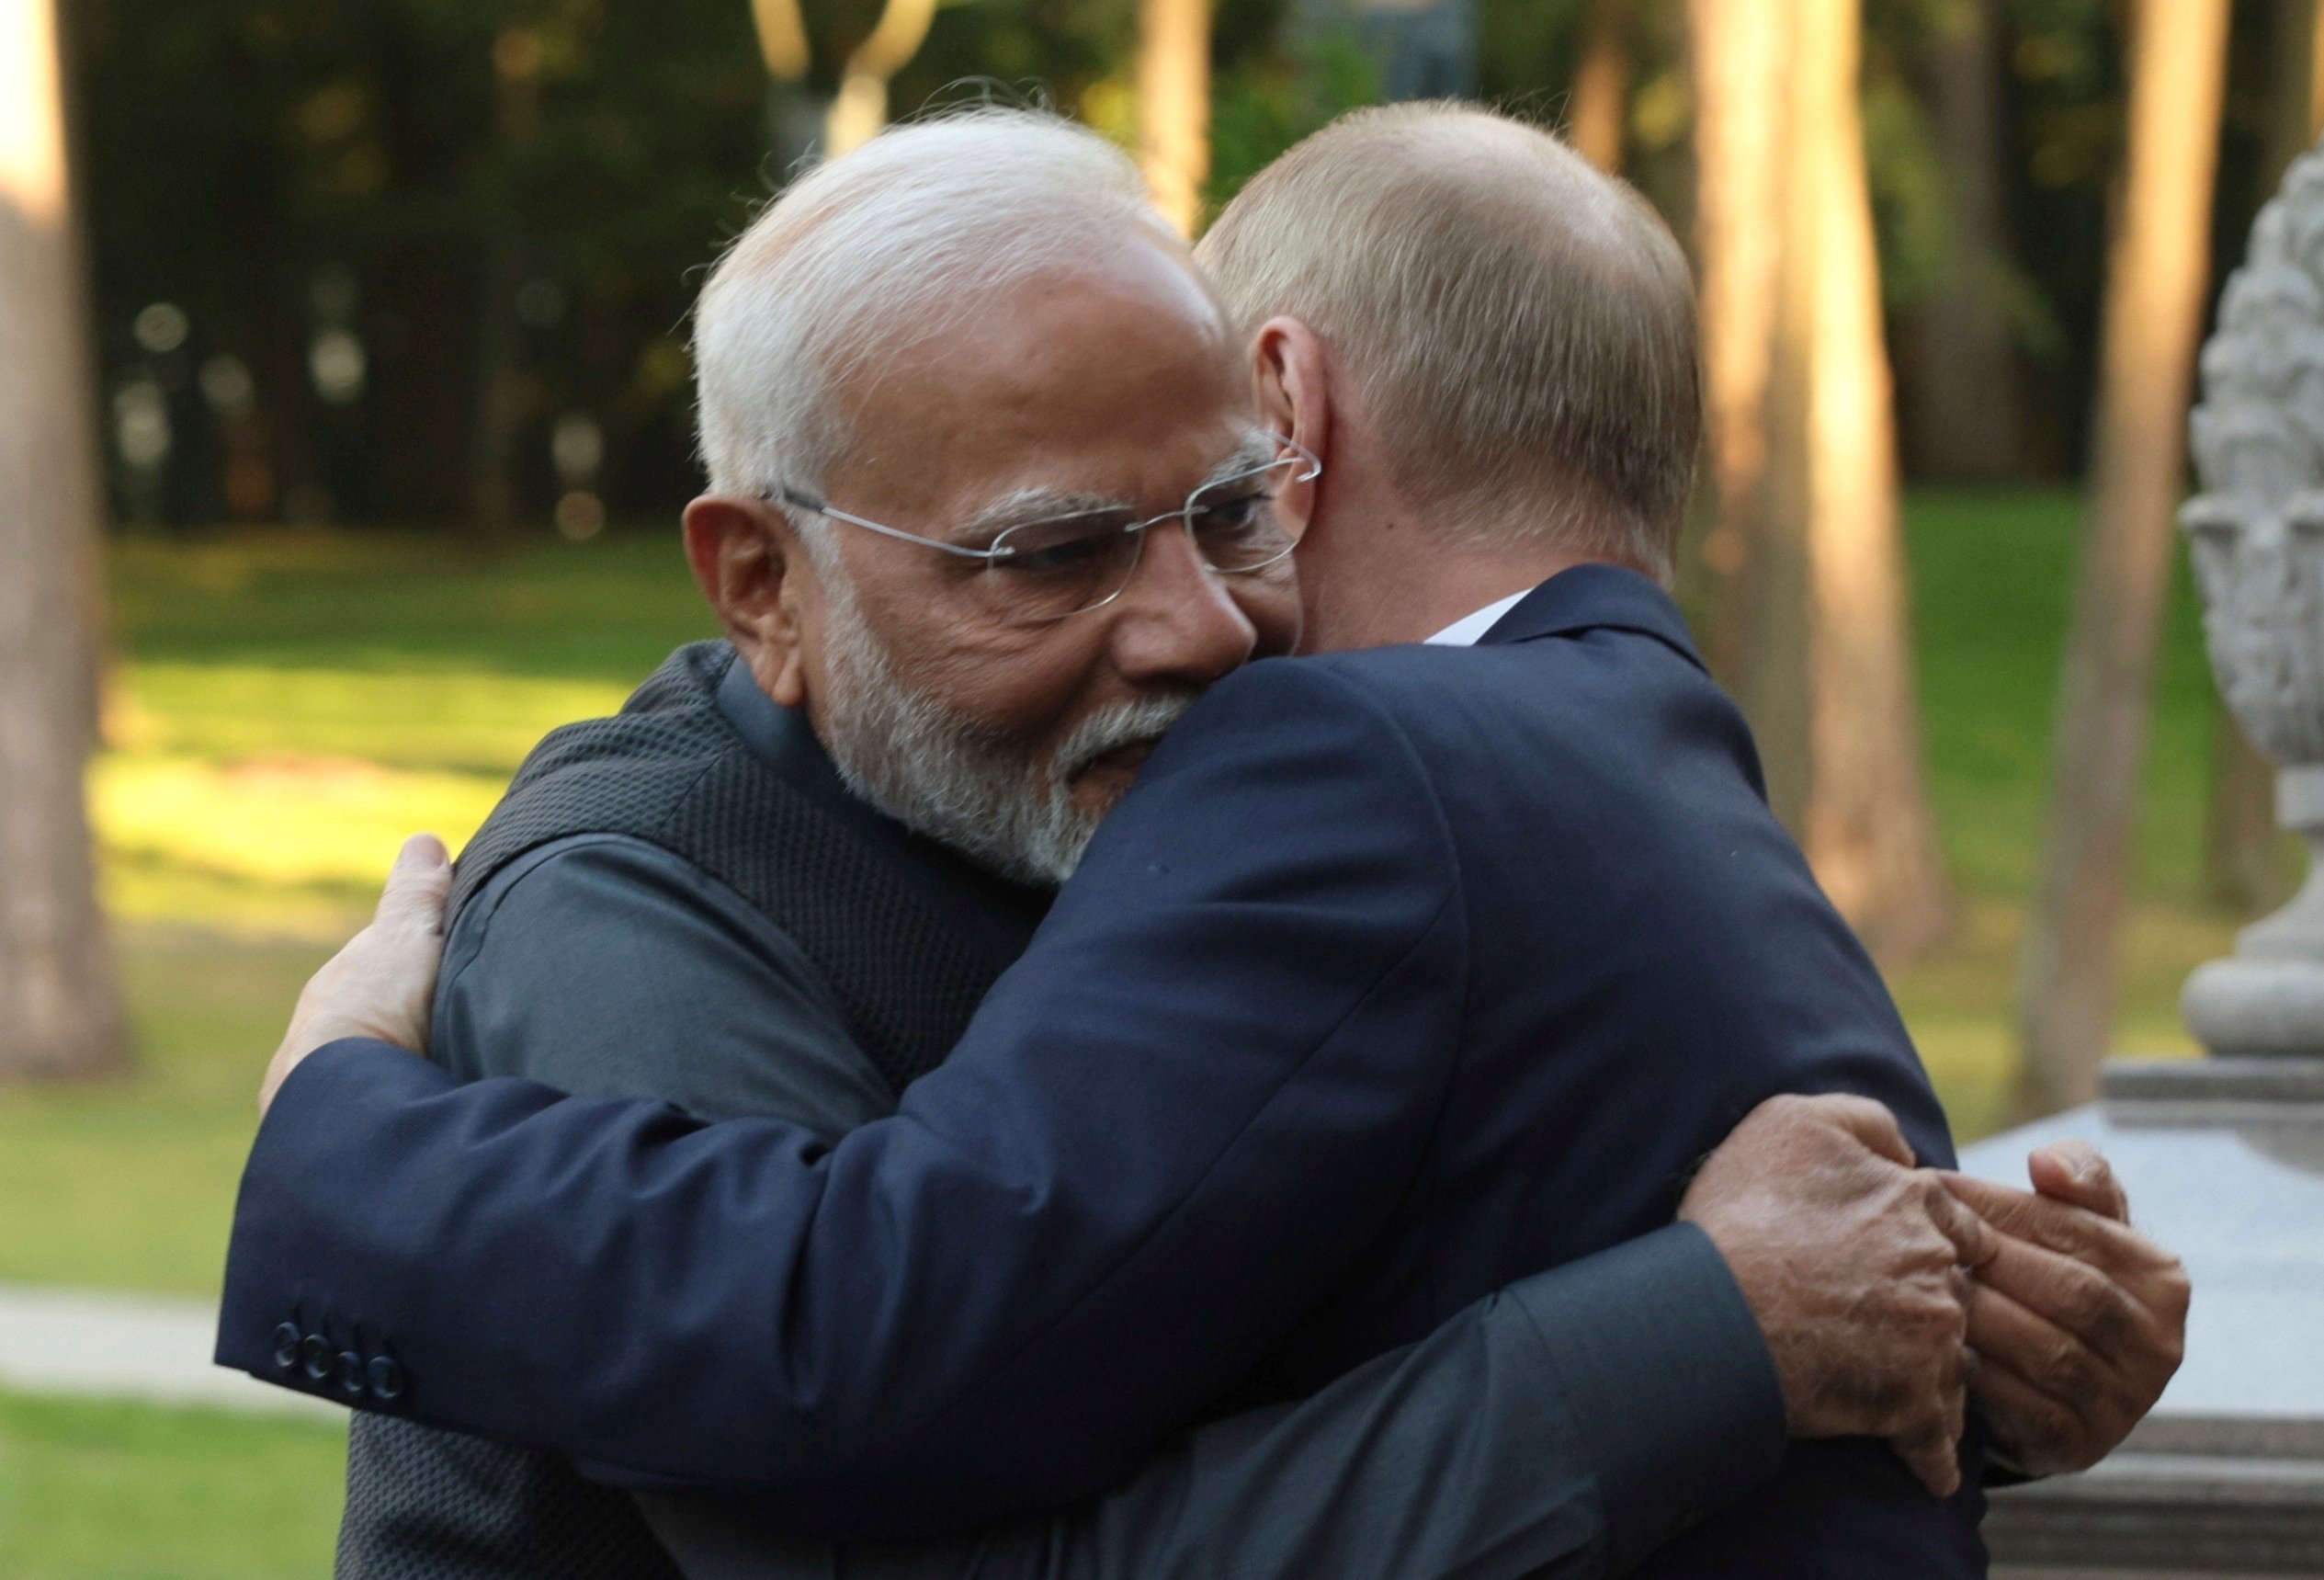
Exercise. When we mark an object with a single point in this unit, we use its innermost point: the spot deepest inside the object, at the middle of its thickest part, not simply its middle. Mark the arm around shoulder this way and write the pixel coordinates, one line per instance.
(1110, 1200)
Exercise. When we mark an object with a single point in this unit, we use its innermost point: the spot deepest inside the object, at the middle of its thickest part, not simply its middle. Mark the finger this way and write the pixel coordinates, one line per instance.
(417, 885)
(2073, 1296)
(1868, 1121)
(1972, 1237)
(2006, 1333)
(2069, 1230)
(1933, 1457)
(2043, 1434)
(2074, 1172)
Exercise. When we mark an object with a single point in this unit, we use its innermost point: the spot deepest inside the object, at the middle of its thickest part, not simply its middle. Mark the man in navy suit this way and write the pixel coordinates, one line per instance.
(1402, 972)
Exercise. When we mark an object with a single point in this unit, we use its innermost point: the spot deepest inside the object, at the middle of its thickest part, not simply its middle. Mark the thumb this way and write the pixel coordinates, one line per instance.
(417, 886)
(2072, 1171)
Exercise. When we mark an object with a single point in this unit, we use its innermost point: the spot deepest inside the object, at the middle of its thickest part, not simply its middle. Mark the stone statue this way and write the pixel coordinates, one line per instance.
(2257, 535)
(2224, 1156)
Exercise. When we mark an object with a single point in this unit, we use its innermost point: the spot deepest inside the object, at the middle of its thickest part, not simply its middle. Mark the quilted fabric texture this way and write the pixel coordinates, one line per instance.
(429, 1505)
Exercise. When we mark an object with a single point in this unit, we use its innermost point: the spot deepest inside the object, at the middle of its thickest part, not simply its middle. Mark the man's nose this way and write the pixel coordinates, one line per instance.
(1174, 622)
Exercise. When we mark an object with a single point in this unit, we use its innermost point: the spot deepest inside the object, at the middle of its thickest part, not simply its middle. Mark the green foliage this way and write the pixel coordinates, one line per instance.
(273, 166)
(126, 1492)
(1264, 103)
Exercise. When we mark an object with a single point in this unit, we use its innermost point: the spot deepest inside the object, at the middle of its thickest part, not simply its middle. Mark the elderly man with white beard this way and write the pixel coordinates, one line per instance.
(746, 896)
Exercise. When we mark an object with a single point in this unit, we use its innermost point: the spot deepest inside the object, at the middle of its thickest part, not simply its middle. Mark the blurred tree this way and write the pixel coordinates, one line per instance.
(860, 108)
(794, 115)
(1965, 388)
(1738, 56)
(500, 382)
(1174, 105)
(1598, 113)
(1848, 773)
(58, 1008)
(1266, 100)
(1812, 621)
(2157, 279)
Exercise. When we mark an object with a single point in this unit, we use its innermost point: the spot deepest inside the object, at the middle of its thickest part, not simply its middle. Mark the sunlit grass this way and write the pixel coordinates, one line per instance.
(294, 703)
(109, 1491)
(469, 719)
(132, 1184)
(278, 821)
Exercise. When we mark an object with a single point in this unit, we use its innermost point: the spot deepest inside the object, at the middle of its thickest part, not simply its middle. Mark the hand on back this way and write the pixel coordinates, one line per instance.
(381, 985)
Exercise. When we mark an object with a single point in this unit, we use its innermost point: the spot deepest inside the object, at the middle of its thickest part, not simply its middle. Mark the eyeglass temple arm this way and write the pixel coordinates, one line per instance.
(800, 501)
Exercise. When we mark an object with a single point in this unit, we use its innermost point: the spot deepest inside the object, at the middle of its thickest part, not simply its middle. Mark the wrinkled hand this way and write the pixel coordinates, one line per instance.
(1853, 1261)
(2077, 1322)
(383, 983)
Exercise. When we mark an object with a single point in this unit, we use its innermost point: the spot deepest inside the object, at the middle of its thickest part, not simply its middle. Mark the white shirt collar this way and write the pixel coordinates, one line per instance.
(1465, 631)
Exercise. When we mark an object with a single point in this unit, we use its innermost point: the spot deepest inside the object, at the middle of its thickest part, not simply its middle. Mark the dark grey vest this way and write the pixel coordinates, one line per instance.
(427, 1504)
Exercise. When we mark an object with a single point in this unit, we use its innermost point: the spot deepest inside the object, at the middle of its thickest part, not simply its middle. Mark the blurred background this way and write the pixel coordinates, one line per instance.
(345, 419)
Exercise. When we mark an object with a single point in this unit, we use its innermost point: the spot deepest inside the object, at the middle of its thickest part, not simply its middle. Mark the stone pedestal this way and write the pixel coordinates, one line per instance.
(2223, 1160)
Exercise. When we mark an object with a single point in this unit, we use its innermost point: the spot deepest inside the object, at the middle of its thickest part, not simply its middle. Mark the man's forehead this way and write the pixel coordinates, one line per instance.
(1084, 380)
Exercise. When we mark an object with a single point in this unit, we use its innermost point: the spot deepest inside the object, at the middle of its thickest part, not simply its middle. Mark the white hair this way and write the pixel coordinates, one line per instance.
(875, 250)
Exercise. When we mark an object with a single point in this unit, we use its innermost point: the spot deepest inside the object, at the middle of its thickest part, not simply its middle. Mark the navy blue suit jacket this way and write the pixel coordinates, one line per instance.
(1400, 974)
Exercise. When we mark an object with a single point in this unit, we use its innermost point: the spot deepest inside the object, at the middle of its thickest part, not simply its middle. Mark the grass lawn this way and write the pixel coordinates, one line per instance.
(292, 704)
(121, 1492)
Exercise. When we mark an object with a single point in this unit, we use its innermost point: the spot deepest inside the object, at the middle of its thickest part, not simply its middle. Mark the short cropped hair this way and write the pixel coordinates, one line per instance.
(1522, 325)
(876, 250)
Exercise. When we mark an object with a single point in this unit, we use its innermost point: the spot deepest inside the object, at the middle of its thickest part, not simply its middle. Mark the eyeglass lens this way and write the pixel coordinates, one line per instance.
(1048, 570)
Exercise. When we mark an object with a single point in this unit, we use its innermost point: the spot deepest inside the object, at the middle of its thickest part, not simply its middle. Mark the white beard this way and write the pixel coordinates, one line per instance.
(957, 781)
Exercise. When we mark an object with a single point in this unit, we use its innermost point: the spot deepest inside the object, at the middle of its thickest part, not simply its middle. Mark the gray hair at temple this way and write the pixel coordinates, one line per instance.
(1521, 325)
(878, 248)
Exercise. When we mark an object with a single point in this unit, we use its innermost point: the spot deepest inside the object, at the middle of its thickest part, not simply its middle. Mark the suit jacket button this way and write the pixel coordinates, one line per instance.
(351, 1374)
(287, 1340)
(387, 1381)
(316, 1358)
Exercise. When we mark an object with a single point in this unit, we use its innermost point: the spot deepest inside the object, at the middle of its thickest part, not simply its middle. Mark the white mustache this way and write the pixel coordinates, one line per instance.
(1111, 729)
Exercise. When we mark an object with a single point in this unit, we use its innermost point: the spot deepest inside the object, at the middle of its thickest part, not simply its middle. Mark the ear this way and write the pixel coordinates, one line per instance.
(1292, 380)
(756, 573)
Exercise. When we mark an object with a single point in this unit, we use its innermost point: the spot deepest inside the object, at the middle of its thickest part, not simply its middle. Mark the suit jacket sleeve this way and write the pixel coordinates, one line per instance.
(1467, 1454)
(1564, 1427)
(1185, 1113)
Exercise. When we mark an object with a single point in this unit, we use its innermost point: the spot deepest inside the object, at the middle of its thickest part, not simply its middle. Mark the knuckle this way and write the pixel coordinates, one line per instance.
(2085, 1302)
(2062, 1366)
(2175, 1291)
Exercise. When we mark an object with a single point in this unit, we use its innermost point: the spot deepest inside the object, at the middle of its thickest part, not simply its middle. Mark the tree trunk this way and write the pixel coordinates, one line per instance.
(1174, 105)
(1866, 824)
(861, 107)
(1738, 59)
(499, 399)
(1965, 386)
(797, 118)
(1599, 108)
(2156, 278)
(59, 1011)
